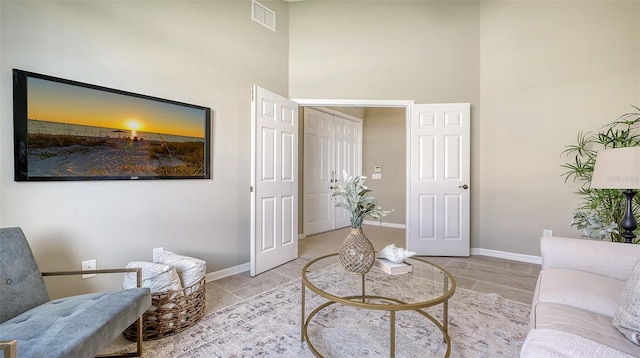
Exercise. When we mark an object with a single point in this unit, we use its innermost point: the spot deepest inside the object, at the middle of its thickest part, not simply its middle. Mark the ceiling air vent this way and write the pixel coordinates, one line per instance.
(263, 15)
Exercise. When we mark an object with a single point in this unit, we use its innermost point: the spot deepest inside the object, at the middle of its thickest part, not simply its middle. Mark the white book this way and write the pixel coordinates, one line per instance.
(392, 268)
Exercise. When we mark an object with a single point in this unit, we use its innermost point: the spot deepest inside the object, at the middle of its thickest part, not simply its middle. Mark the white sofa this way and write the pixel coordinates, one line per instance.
(576, 298)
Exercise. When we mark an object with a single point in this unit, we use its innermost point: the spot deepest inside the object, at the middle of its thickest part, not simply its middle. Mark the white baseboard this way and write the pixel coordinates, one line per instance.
(370, 222)
(216, 275)
(382, 223)
(507, 255)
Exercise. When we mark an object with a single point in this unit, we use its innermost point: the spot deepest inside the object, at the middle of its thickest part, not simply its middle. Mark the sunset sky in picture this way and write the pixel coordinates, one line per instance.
(59, 102)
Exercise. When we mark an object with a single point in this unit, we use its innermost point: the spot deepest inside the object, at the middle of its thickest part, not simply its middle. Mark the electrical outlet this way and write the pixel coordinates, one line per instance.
(547, 233)
(156, 253)
(89, 265)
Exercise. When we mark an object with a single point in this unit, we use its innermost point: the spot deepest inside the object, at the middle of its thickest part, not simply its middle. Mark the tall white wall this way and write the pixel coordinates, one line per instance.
(202, 52)
(535, 72)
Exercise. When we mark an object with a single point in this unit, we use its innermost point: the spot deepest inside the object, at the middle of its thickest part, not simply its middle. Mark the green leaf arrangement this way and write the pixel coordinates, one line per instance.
(600, 210)
(357, 200)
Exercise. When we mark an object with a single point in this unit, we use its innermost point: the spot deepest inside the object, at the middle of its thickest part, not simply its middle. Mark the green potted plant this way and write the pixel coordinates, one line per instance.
(357, 254)
(600, 210)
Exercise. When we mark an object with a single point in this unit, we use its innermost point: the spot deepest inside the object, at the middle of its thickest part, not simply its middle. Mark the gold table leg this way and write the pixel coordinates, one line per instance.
(392, 334)
(304, 288)
(445, 308)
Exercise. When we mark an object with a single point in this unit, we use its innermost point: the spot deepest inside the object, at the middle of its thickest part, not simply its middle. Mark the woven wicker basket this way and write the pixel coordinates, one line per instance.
(171, 312)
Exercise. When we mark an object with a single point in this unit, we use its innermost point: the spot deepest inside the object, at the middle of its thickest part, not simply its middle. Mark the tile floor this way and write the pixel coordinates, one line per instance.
(511, 279)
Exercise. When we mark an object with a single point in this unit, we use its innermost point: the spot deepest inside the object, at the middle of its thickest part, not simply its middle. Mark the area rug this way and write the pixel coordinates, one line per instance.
(268, 325)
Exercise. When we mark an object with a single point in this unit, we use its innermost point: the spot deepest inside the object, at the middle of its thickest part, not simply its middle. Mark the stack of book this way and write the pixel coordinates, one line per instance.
(392, 268)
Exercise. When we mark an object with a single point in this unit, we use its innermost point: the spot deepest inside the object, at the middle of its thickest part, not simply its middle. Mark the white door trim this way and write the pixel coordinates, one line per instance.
(352, 102)
(335, 113)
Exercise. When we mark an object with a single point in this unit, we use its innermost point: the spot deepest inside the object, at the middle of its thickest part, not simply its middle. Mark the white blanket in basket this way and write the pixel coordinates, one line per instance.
(190, 270)
(158, 277)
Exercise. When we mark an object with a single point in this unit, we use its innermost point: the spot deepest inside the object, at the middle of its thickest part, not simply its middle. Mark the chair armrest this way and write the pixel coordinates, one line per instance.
(10, 348)
(605, 258)
(137, 270)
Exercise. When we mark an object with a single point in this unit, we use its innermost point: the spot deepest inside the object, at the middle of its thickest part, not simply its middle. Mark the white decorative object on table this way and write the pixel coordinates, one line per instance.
(392, 268)
(395, 254)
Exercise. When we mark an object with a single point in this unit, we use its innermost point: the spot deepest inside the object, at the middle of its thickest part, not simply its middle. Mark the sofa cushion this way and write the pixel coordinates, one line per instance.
(604, 258)
(594, 293)
(77, 326)
(545, 343)
(627, 318)
(589, 325)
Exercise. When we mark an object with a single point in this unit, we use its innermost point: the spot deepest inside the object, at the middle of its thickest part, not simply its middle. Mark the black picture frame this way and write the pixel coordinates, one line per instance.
(70, 130)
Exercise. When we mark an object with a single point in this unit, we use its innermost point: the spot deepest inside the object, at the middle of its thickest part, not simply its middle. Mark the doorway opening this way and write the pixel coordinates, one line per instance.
(384, 153)
(436, 174)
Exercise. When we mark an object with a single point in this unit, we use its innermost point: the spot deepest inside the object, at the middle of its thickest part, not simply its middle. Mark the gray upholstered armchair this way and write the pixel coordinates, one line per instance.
(79, 326)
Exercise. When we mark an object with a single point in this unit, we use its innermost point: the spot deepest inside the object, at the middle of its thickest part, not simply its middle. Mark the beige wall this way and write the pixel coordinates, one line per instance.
(560, 68)
(422, 51)
(427, 51)
(201, 52)
(384, 144)
(536, 73)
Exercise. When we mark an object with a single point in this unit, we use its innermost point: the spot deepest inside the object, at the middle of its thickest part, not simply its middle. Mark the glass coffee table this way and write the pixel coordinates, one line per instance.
(426, 286)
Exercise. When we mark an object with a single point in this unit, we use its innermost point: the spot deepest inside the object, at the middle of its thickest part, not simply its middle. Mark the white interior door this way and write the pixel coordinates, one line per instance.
(318, 171)
(439, 163)
(332, 144)
(274, 180)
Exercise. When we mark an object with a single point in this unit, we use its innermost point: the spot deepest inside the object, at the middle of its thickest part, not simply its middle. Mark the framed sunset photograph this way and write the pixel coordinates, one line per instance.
(69, 130)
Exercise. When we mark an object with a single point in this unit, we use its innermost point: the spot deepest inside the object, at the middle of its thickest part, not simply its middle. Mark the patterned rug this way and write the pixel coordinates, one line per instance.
(480, 325)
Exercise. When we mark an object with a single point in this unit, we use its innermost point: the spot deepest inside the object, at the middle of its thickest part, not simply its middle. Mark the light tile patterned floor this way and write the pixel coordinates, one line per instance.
(511, 279)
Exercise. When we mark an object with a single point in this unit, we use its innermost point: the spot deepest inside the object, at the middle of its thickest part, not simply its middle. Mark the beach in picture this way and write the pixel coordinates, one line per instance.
(75, 131)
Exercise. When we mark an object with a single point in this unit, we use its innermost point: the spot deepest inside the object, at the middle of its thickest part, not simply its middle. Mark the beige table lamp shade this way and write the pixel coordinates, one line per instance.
(617, 168)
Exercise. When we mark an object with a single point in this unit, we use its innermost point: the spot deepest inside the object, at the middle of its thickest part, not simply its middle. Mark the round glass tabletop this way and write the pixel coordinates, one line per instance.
(426, 285)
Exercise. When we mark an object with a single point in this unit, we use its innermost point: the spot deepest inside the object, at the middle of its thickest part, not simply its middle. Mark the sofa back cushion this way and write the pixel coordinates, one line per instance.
(21, 284)
(604, 258)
